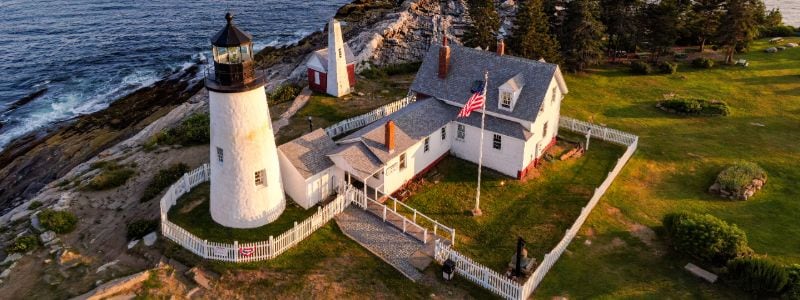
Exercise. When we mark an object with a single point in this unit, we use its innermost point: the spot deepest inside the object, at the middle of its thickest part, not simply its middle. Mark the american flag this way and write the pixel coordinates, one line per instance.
(474, 103)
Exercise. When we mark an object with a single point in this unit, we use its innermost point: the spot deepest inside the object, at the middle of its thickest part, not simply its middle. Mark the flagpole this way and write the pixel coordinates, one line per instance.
(477, 211)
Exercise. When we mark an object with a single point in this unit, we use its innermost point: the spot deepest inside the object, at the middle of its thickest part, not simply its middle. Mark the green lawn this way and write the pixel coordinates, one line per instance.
(539, 210)
(192, 213)
(677, 160)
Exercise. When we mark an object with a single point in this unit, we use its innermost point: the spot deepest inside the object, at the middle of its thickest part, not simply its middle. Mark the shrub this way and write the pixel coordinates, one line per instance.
(666, 67)
(778, 31)
(705, 237)
(58, 221)
(112, 175)
(284, 93)
(793, 286)
(195, 130)
(24, 243)
(641, 68)
(703, 63)
(138, 229)
(163, 179)
(697, 107)
(757, 275)
(739, 175)
(35, 205)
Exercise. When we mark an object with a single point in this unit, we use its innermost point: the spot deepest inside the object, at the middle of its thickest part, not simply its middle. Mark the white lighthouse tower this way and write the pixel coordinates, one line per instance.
(338, 81)
(246, 187)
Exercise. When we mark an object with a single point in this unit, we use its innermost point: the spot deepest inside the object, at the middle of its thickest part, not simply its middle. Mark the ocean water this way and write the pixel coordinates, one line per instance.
(88, 53)
(790, 9)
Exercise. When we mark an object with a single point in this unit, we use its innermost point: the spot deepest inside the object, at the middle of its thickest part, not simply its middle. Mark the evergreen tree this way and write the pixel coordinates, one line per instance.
(583, 42)
(664, 25)
(704, 19)
(624, 21)
(739, 25)
(482, 32)
(530, 37)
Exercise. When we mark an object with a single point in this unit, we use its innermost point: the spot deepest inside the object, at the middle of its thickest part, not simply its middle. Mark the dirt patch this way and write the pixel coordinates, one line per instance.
(191, 205)
(645, 234)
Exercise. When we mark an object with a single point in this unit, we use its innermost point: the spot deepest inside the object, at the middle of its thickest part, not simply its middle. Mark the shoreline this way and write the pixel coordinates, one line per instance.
(31, 162)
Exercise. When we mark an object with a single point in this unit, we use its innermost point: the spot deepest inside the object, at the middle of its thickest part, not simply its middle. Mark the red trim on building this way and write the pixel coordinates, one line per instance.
(536, 162)
(322, 87)
(351, 74)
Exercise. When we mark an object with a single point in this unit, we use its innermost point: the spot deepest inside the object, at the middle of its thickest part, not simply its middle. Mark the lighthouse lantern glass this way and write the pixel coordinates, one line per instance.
(233, 55)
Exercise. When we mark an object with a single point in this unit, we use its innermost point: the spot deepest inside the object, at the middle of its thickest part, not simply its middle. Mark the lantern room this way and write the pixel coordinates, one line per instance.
(234, 69)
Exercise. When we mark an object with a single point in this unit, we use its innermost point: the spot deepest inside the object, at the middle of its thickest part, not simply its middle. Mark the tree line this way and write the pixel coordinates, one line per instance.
(580, 33)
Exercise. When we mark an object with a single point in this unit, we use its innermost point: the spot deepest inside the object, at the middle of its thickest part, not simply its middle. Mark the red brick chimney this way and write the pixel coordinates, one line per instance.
(444, 58)
(501, 47)
(389, 138)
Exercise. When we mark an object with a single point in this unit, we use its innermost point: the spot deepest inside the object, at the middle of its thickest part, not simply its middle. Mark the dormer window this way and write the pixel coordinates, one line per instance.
(509, 92)
(505, 100)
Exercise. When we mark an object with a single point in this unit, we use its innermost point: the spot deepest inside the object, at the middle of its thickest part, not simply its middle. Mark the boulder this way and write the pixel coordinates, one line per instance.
(36, 224)
(47, 237)
(150, 239)
(791, 45)
(12, 258)
(699, 272)
(133, 243)
(715, 188)
(771, 50)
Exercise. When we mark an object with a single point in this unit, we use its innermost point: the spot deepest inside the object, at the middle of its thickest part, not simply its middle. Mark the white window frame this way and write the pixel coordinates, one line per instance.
(261, 177)
(461, 132)
(506, 99)
(316, 77)
(220, 155)
(497, 142)
(403, 163)
(444, 132)
(544, 130)
(427, 144)
(553, 99)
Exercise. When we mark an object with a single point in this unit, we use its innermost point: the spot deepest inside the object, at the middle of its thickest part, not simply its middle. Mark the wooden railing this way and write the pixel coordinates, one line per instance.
(360, 199)
(367, 118)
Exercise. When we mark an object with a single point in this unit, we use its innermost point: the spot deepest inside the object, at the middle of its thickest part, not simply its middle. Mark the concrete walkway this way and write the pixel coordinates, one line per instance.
(297, 104)
(400, 250)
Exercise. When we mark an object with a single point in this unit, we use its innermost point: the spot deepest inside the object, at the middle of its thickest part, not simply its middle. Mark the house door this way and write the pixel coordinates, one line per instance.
(325, 186)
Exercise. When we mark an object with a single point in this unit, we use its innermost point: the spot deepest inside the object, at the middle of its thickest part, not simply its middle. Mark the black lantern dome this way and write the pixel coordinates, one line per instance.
(234, 69)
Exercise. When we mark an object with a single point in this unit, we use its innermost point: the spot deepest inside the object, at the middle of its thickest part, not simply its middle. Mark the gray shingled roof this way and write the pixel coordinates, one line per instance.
(412, 124)
(359, 157)
(498, 125)
(468, 65)
(308, 152)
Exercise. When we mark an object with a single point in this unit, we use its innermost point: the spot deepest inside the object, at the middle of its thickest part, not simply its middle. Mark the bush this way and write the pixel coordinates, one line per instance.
(140, 228)
(793, 286)
(112, 175)
(391, 70)
(705, 237)
(24, 243)
(778, 31)
(284, 93)
(195, 130)
(35, 205)
(697, 107)
(641, 68)
(739, 175)
(58, 221)
(757, 275)
(666, 67)
(163, 179)
(703, 63)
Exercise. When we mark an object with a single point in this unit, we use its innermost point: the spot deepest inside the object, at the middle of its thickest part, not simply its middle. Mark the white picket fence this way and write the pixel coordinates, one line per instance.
(239, 252)
(360, 199)
(367, 118)
(510, 289)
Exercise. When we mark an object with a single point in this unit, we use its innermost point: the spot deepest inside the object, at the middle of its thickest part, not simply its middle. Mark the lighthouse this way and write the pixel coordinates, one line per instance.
(332, 70)
(246, 187)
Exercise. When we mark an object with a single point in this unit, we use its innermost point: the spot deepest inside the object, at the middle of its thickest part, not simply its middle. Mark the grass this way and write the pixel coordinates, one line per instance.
(163, 179)
(111, 175)
(192, 131)
(539, 210)
(326, 110)
(678, 159)
(192, 213)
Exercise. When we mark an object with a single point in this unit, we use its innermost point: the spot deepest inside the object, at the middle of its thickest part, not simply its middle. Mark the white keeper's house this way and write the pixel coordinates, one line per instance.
(522, 111)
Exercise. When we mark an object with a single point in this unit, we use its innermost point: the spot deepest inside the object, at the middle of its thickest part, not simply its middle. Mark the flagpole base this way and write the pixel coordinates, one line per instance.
(477, 212)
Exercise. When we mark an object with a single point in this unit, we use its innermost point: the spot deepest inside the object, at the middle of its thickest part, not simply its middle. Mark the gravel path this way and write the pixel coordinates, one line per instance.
(383, 240)
(298, 103)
